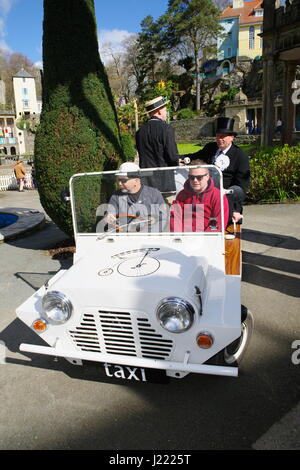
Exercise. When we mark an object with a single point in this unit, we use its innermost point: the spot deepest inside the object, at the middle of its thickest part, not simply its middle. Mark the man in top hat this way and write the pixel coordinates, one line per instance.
(232, 161)
(155, 142)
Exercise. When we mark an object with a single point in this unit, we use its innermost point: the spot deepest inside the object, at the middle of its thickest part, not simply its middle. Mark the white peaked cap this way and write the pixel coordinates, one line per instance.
(128, 167)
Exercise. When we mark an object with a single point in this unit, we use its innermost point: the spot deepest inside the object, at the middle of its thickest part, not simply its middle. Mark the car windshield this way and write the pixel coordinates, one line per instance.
(161, 200)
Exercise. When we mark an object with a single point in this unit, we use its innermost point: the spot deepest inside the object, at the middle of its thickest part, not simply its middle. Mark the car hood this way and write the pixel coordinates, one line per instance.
(123, 274)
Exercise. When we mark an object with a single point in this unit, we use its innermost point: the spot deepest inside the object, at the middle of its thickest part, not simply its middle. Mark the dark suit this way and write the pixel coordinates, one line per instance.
(155, 142)
(237, 174)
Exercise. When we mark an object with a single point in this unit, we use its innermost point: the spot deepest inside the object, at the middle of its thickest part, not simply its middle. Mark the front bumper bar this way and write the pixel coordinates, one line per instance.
(132, 361)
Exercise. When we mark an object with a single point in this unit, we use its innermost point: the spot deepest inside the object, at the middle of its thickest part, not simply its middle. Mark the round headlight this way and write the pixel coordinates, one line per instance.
(57, 308)
(175, 315)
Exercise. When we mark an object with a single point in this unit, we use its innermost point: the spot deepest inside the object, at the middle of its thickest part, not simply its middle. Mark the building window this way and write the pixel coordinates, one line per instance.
(25, 104)
(24, 80)
(251, 37)
(25, 91)
(229, 52)
(259, 12)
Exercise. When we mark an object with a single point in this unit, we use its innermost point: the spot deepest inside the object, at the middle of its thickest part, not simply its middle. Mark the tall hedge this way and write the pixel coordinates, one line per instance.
(78, 130)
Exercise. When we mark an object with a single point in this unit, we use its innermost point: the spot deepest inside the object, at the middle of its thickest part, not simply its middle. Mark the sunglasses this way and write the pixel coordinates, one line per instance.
(197, 177)
(123, 180)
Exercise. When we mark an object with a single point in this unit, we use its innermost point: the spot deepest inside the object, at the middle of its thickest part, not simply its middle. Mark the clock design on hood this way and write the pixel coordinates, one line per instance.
(134, 263)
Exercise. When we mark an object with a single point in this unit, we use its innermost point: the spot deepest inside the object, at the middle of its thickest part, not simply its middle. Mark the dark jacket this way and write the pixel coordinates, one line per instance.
(155, 142)
(150, 203)
(184, 216)
(236, 174)
(238, 171)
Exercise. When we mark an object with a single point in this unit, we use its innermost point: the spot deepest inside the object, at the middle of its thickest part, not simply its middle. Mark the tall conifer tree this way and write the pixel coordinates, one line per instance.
(79, 130)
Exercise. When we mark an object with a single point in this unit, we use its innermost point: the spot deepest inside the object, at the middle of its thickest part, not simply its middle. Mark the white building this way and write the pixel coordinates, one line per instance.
(25, 94)
(27, 105)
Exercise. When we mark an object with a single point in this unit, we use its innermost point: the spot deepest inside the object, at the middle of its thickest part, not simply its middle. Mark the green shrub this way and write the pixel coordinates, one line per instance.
(78, 131)
(128, 147)
(275, 174)
(185, 113)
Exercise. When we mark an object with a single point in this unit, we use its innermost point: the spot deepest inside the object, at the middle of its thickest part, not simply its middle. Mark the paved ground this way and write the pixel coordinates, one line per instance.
(46, 405)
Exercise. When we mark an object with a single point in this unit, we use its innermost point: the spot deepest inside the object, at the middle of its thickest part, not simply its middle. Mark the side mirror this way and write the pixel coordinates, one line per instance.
(65, 195)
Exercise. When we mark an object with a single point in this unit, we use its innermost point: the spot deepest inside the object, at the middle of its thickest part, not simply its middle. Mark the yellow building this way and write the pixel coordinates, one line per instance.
(250, 20)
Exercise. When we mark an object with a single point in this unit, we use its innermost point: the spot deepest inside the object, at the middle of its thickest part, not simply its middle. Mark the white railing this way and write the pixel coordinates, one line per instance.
(10, 182)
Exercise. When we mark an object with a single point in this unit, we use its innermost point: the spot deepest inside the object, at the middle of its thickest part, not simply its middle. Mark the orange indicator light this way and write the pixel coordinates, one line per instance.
(39, 325)
(205, 340)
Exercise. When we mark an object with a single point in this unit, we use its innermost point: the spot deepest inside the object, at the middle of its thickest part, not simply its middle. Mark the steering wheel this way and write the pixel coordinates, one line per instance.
(119, 227)
(134, 220)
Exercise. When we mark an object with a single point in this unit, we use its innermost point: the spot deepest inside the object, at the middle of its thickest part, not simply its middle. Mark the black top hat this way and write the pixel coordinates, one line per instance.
(224, 125)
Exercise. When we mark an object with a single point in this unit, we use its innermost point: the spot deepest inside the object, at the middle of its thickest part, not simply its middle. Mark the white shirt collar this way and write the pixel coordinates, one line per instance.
(223, 151)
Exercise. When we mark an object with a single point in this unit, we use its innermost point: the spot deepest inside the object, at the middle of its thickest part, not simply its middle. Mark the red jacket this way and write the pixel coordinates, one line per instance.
(192, 212)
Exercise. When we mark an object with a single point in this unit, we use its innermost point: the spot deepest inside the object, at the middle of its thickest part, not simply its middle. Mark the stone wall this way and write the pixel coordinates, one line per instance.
(202, 131)
(187, 130)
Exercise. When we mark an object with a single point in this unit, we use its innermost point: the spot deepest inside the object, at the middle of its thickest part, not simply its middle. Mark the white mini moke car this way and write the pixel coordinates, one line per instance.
(145, 295)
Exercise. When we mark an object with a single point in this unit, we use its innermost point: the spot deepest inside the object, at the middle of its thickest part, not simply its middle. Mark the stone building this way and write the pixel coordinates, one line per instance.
(281, 43)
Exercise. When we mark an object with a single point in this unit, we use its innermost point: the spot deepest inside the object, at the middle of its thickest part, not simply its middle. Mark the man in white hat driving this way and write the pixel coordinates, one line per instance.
(140, 207)
(155, 142)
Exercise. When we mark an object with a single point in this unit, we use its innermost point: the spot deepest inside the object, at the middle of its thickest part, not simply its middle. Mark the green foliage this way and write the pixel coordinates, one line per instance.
(226, 96)
(148, 48)
(79, 130)
(194, 21)
(188, 147)
(185, 113)
(128, 147)
(187, 25)
(219, 101)
(275, 174)
(27, 124)
(126, 117)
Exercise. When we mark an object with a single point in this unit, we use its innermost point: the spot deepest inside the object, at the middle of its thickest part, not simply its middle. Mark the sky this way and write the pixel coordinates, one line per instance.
(21, 23)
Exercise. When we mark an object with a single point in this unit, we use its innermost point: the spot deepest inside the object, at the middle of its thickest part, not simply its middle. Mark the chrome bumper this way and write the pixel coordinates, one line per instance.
(132, 361)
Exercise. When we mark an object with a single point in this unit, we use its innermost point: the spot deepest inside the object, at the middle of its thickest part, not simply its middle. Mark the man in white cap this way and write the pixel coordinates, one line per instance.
(155, 142)
(141, 208)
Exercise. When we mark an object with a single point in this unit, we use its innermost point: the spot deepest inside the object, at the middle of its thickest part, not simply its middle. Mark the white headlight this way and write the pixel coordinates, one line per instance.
(175, 315)
(57, 308)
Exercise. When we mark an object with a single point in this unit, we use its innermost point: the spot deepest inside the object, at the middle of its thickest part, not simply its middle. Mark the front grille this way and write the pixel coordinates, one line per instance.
(85, 335)
(153, 345)
(120, 333)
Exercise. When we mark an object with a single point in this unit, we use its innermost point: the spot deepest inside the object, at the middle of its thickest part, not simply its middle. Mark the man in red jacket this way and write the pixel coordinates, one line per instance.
(198, 206)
